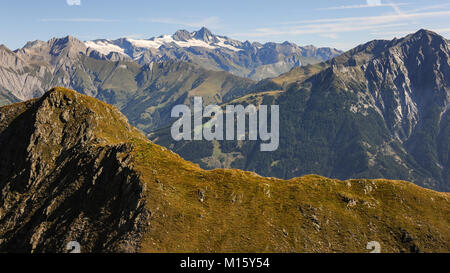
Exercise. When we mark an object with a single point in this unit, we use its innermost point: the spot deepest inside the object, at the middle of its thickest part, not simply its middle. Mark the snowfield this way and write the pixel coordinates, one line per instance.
(107, 46)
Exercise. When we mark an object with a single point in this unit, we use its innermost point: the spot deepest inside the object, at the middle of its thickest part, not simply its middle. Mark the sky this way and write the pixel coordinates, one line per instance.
(339, 24)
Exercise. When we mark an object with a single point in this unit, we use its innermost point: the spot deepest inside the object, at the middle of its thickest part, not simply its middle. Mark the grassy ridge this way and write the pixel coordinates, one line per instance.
(235, 211)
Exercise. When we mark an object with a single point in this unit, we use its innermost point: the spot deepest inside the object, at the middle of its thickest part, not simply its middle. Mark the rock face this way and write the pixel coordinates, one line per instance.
(13, 76)
(407, 78)
(379, 110)
(72, 169)
(58, 184)
(28, 72)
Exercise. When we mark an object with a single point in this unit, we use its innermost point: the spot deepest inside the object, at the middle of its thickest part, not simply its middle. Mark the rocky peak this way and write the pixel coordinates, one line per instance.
(9, 59)
(406, 79)
(287, 43)
(247, 45)
(4, 48)
(182, 35)
(421, 41)
(424, 33)
(54, 51)
(5, 53)
(205, 35)
(64, 167)
(32, 44)
(68, 44)
(412, 47)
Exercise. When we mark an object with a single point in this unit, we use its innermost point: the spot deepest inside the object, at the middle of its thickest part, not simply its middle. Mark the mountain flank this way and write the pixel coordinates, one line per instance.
(379, 110)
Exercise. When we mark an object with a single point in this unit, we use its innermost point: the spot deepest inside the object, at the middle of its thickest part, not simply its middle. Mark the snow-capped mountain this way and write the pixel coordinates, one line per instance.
(211, 51)
(182, 38)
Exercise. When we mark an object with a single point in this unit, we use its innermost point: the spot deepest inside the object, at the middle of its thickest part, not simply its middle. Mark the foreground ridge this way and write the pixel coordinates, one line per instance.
(73, 169)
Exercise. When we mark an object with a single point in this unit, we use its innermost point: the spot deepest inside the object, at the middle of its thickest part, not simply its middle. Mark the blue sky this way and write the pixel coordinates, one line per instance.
(340, 24)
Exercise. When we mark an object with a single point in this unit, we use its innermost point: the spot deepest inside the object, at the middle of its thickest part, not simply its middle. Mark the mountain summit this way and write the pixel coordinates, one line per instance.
(72, 169)
(205, 35)
(182, 35)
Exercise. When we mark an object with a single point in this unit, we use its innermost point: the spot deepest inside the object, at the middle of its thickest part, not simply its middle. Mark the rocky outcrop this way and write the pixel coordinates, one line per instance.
(58, 184)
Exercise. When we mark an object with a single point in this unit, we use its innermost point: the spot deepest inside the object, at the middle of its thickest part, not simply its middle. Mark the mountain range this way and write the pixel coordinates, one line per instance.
(145, 78)
(380, 110)
(214, 52)
(29, 71)
(73, 169)
(145, 92)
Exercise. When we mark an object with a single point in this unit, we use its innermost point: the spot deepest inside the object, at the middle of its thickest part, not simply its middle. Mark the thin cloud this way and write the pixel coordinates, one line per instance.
(134, 36)
(79, 20)
(73, 2)
(329, 35)
(396, 8)
(373, 2)
(399, 33)
(210, 21)
(432, 7)
(344, 24)
(441, 30)
(315, 29)
(381, 19)
(372, 5)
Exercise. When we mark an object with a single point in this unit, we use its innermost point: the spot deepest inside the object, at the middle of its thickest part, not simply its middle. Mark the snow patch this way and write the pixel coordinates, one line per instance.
(222, 43)
(167, 40)
(104, 47)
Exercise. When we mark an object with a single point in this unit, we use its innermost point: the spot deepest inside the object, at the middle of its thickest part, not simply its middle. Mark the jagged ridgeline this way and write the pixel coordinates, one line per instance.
(73, 169)
(146, 78)
(379, 110)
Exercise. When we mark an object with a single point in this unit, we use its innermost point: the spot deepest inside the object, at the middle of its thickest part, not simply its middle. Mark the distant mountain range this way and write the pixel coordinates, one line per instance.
(378, 110)
(245, 59)
(73, 169)
(144, 92)
(144, 78)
